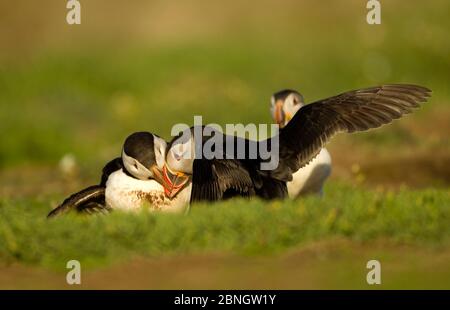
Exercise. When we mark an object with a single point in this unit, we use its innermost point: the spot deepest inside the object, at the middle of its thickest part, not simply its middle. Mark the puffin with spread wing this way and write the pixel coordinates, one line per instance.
(309, 179)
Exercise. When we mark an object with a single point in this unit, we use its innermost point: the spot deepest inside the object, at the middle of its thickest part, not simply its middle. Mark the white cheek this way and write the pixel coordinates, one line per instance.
(159, 157)
(160, 151)
(181, 151)
(292, 108)
(180, 165)
(146, 174)
(169, 160)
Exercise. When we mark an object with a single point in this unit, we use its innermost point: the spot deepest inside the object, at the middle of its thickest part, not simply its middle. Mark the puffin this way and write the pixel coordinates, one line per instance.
(311, 178)
(225, 175)
(131, 182)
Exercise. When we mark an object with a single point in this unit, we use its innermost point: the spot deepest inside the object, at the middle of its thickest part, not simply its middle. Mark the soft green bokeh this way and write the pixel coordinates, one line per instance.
(80, 92)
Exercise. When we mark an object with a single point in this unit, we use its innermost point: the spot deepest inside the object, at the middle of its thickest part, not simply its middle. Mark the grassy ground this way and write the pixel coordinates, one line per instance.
(327, 264)
(79, 90)
(408, 222)
(248, 227)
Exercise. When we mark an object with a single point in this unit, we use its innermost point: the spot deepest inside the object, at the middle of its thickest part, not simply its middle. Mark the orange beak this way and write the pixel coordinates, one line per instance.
(157, 174)
(287, 117)
(173, 182)
(278, 113)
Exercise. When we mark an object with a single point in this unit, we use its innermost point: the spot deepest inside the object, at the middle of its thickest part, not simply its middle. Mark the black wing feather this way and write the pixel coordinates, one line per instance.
(89, 200)
(314, 124)
(220, 178)
(112, 166)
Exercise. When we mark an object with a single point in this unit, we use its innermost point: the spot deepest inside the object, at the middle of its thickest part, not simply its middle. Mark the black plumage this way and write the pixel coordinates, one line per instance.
(140, 145)
(219, 179)
(112, 166)
(91, 199)
(88, 200)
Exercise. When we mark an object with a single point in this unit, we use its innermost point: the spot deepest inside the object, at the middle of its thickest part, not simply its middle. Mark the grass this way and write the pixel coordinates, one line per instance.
(237, 226)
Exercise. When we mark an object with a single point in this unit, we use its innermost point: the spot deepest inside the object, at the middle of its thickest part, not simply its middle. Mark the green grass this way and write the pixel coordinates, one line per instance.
(237, 226)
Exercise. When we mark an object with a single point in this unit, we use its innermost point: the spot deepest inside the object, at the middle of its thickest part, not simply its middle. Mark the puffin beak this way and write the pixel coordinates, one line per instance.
(157, 174)
(173, 182)
(279, 114)
(288, 117)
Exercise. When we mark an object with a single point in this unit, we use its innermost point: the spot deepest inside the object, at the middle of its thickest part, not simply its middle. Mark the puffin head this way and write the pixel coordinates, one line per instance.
(284, 105)
(143, 155)
(179, 162)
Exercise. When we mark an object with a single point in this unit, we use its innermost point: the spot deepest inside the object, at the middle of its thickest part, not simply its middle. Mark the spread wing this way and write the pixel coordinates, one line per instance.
(89, 200)
(218, 179)
(314, 124)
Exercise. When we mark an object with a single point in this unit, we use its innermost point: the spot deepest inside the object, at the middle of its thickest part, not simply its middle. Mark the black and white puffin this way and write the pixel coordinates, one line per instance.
(310, 178)
(130, 182)
(299, 142)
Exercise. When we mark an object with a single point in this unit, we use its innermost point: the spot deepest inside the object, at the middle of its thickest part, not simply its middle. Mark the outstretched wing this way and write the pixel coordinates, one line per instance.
(218, 179)
(89, 200)
(314, 124)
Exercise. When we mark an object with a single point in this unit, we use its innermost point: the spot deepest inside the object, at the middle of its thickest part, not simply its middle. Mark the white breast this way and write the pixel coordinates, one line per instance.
(129, 194)
(310, 179)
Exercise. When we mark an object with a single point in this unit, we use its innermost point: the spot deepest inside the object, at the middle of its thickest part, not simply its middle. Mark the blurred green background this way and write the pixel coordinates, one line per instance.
(81, 89)
(72, 93)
